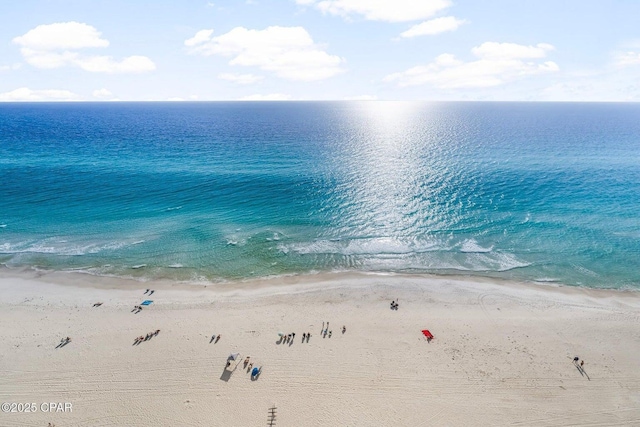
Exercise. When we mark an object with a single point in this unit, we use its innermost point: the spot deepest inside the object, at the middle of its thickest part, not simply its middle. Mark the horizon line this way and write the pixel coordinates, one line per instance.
(192, 101)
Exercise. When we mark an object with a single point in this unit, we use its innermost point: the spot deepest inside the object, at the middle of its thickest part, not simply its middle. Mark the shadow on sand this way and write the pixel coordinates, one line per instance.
(63, 343)
(228, 371)
(583, 372)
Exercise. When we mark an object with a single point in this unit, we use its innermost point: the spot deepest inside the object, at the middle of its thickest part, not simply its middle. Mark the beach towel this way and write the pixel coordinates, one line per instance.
(146, 302)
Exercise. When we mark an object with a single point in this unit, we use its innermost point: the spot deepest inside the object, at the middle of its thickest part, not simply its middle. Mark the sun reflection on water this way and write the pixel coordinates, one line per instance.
(391, 173)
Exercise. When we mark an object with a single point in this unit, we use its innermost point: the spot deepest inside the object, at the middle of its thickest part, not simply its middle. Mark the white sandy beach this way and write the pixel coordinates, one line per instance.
(502, 353)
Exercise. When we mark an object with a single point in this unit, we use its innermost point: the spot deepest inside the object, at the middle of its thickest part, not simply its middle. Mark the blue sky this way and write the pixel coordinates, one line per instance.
(157, 50)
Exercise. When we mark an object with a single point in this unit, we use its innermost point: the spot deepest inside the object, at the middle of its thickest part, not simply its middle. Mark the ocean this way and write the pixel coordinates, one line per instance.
(210, 192)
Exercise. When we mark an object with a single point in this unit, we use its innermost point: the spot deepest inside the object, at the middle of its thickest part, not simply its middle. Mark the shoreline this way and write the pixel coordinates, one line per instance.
(293, 282)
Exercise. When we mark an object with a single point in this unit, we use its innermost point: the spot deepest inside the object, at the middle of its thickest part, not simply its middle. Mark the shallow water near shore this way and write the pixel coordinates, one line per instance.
(233, 191)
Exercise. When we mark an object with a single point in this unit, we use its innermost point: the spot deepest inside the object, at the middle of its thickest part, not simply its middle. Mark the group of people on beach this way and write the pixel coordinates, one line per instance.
(214, 339)
(247, 364)
(580, 367)
(394, 305)
(146, 337)
(326, 332)
(151, 291)
(288, 338)
(306, 336)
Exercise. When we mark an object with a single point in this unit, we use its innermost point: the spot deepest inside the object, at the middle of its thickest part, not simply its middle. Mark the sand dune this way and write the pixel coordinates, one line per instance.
(502, 353)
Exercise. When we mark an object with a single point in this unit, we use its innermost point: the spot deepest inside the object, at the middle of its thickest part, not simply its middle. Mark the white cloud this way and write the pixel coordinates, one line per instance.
(269, 97)
(242, 79)
(57, 45)
(361, 98)
(201, 36)
(106, 64)
(180, 99)
(493, 50)
(44, 59)
(60, 36)
(603, 88)
(602, 84)
(101, 93)
(26, 94)
(380, 10)
(624, 59)
(434, 26)
(288, 52)
(10, 67)
(498, 63)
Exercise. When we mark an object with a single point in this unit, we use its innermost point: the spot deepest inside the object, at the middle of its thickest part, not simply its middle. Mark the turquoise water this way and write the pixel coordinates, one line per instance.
(218, 191)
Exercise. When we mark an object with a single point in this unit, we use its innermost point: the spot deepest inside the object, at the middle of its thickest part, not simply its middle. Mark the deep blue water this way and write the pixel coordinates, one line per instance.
(210, 191)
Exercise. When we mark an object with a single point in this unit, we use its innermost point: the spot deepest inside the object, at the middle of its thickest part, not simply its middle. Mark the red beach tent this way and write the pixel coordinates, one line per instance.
(427, 334)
